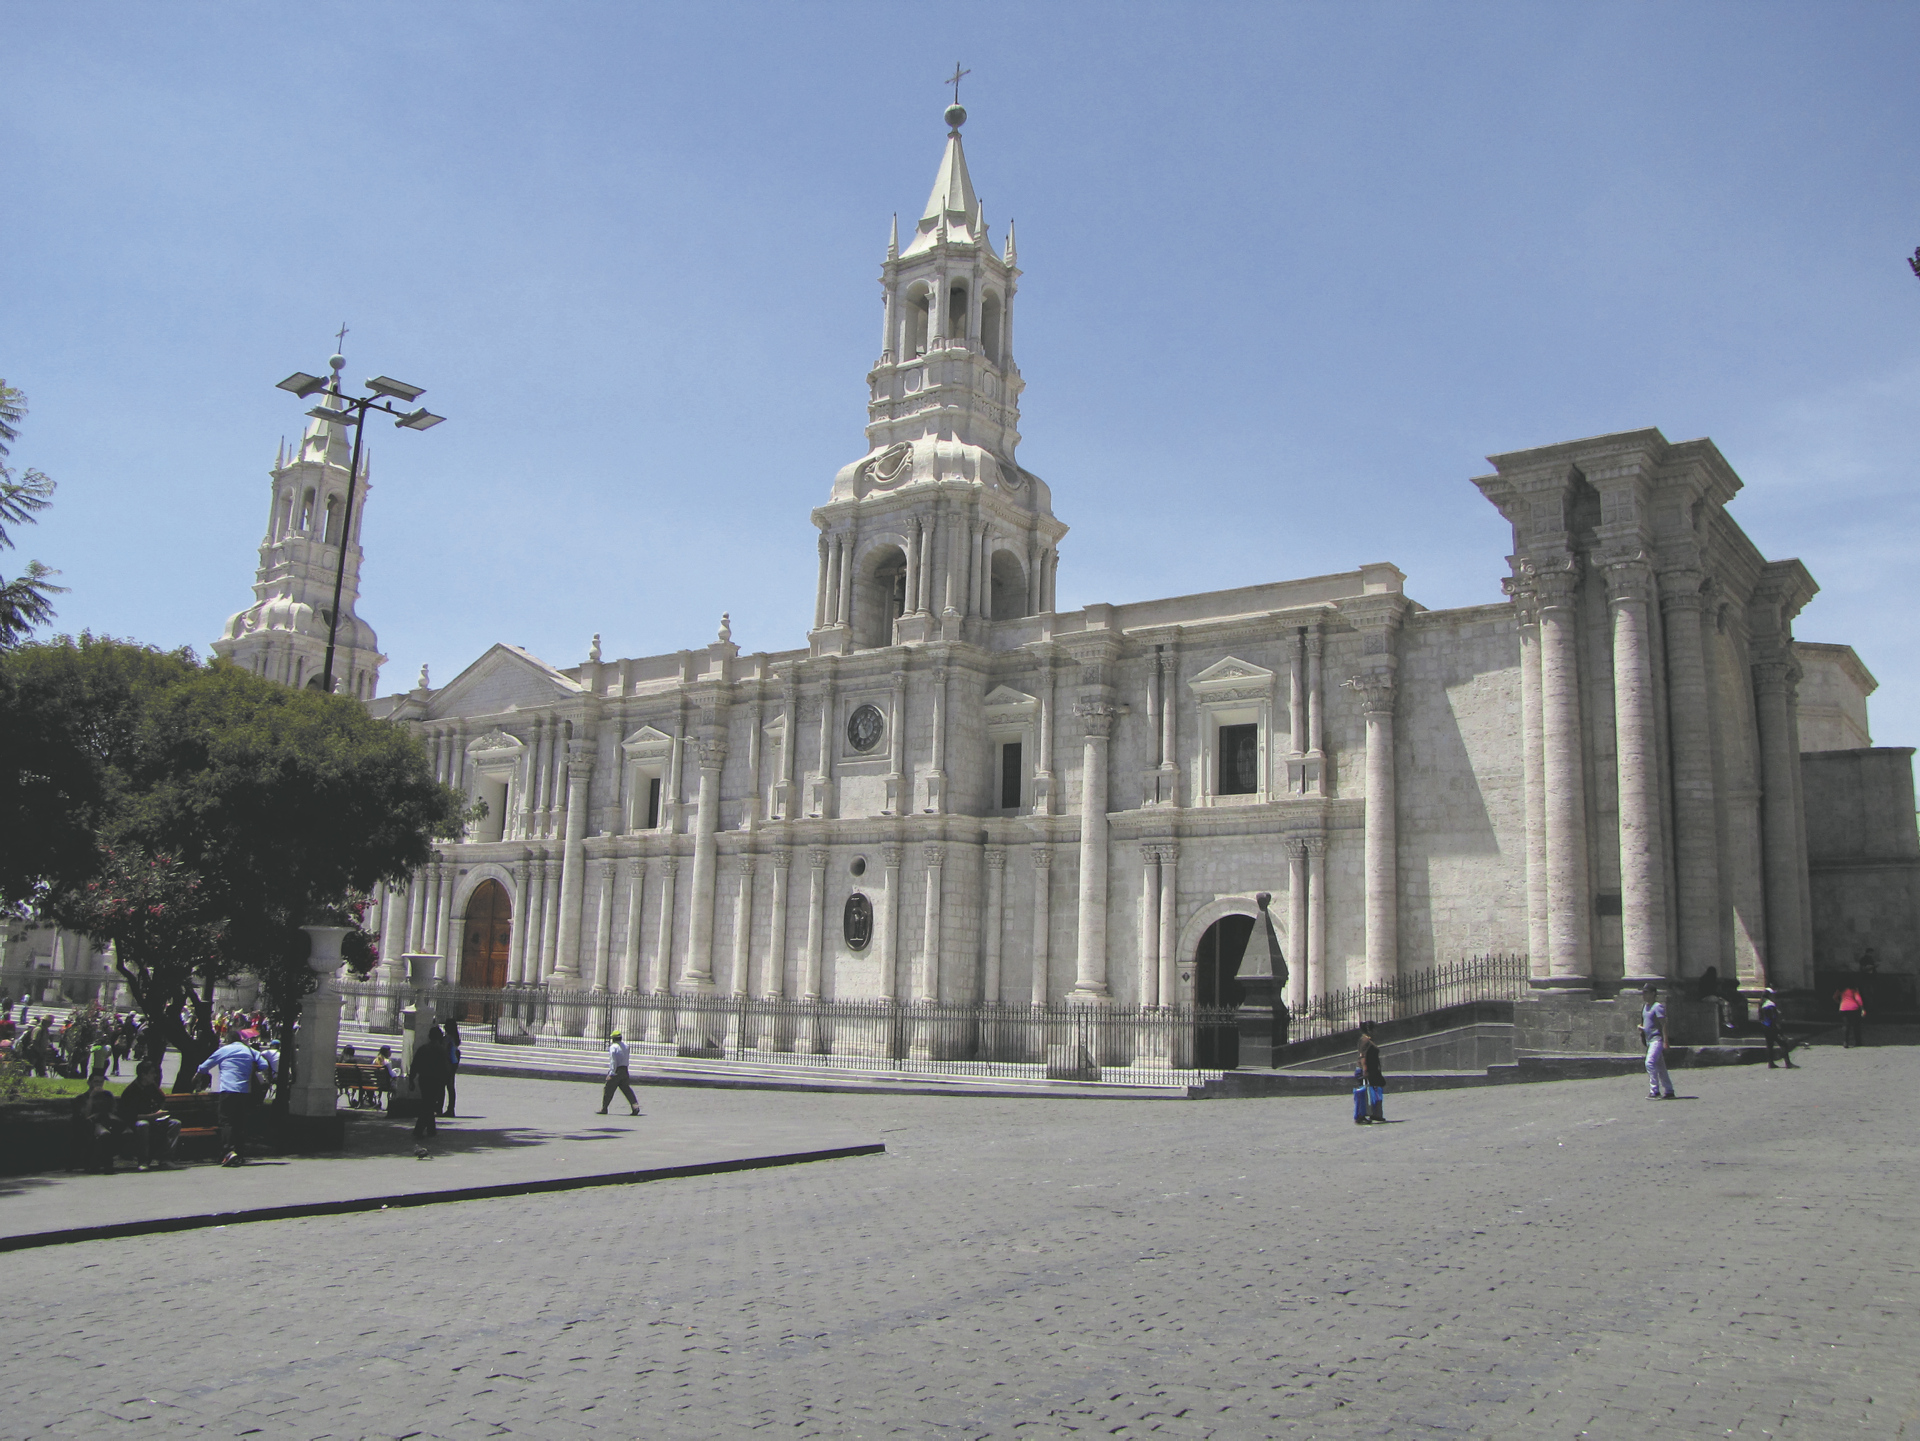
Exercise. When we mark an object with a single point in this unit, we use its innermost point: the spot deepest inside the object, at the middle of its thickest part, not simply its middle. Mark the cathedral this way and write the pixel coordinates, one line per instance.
(953, 790)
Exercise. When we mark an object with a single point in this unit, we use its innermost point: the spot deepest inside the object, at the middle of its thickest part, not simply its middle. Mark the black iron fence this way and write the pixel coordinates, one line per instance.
(1451, 983)
(1161, 1046)
(1123, 1044)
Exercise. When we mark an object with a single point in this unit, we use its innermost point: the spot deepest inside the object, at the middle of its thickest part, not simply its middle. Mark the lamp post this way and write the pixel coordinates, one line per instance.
(353, 411)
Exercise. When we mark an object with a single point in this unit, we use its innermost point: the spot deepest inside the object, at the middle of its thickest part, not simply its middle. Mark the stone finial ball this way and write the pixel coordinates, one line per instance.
(956, 116)
(338, 362)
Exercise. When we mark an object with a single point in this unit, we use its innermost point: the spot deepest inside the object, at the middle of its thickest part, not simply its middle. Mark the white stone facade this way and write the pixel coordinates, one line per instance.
(1600, 772)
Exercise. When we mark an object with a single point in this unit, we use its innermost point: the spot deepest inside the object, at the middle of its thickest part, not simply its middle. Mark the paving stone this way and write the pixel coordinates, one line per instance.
(1556, 1260)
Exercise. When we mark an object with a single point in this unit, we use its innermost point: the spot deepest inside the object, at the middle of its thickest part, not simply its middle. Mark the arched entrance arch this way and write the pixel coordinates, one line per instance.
(1216, 961)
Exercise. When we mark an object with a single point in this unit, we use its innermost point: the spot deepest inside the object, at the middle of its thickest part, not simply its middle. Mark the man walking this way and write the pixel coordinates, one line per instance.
(232, 1067)
(431, 1071)
(1653, 1031)
(617, 1078)
(1372, 1079)
(1770, 1028)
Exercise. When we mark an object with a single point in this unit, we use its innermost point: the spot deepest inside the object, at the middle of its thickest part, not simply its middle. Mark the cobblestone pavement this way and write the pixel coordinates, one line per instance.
(1558, 1260)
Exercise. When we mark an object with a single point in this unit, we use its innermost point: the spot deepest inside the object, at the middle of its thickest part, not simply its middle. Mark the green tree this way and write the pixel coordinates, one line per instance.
(285, 806)
(25, 601)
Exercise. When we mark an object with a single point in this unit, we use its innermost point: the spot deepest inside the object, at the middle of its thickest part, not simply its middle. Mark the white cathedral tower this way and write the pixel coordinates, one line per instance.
(283, 634)
(937, 529)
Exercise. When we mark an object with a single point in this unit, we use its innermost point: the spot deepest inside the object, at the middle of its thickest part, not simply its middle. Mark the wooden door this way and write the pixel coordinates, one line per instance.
(489, 932)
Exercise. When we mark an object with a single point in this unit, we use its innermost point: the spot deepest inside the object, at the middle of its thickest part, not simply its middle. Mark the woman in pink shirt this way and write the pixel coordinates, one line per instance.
(1853, 1014)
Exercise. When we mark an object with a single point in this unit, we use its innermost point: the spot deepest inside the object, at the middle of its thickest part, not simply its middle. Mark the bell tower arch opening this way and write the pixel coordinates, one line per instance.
(880, 595)
(1007, 590)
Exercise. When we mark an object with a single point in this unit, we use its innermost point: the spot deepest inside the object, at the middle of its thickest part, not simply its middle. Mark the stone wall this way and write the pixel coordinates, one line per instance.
(1863, 856)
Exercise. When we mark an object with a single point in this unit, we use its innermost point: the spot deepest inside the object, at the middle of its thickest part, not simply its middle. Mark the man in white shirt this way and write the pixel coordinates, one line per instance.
(1653, 1030)
(617, 1080)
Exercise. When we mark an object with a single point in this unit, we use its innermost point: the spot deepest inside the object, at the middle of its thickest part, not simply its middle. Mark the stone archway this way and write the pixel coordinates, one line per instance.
(485, 943)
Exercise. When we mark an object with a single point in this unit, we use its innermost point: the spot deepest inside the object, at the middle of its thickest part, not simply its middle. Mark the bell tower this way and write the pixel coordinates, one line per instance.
(283, 634)
(936, 532)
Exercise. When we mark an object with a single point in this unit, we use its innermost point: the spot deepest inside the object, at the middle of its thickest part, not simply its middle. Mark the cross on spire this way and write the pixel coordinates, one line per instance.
(954, 80)
(340, 340)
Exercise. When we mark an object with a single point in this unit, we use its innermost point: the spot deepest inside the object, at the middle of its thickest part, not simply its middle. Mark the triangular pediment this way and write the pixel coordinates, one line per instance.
(647, 740)
(505, 678)
(1231, 673)
(1003, 699)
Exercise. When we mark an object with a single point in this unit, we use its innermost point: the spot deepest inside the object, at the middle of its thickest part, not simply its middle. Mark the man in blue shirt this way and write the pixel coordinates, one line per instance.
(1653, 1030)
(232, 1068)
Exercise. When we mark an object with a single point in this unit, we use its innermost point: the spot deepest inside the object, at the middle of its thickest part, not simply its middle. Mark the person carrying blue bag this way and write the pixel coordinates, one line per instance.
(1369, 1083)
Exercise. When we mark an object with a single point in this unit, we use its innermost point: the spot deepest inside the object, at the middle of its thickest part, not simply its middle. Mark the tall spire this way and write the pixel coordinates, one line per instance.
(893, 239)
(952, 204)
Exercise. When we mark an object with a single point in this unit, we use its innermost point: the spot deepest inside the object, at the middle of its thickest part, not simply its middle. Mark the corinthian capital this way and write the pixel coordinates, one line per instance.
(1629, 577)
(1095, 716)
(1376, 692)
(1554, 579)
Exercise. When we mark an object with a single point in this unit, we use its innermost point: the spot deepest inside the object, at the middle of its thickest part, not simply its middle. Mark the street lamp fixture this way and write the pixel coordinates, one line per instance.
(395, 389)
(353, 411)
(302, 384)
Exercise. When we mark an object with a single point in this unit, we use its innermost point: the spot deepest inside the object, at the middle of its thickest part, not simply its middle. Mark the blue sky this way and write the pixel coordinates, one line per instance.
(1291, 272)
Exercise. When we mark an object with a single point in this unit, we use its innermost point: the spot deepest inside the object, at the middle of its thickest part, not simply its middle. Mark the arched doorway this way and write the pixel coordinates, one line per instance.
(1216, 1044)
(489, 930)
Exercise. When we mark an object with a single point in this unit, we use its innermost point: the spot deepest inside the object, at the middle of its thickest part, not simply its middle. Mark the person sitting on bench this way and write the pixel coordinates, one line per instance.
(143, 1105)
(96, 1126)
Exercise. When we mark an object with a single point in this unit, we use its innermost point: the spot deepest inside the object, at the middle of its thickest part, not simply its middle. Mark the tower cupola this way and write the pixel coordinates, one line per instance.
(939, 509)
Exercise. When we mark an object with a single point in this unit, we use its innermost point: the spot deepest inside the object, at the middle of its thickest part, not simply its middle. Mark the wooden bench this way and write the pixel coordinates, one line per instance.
(198, 1113)
(363, 1083)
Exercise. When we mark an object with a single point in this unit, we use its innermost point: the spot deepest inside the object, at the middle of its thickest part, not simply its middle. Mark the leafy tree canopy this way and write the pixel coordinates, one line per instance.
(272, 808)
(25, 600)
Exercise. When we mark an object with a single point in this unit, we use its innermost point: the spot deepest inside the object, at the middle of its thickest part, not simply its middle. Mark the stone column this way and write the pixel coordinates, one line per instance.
(1296, 925)
(393, 935)
(1533, 772)
(1090, 974)
(444, 881)
(534, 895)
(1643, 861)
(899, 797)
(1779, 840)
(820, 589)
(996, 858)
(1043, 773)
(1169, 667)
(517, 936)
(1042, 921)
(430, 914)
(1170, 923)
(550, 919)
(1316, 916)
(743, 931)
(663, 955)
(1690, 724)
(603, 927)
(699, 972)
(927, 983)
(937, 774)
(816, 921)
(573, 878)
(912, 603)
(1149, 924)
(890, 924)
(414, 937)
(1569, 889)
(630, 946)
(1316, 698)
(774, 977)
(1297, 693)
(1376, 693)
(846, 579)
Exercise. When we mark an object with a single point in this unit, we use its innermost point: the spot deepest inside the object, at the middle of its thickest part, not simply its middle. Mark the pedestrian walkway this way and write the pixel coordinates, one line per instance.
(511, 1137)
